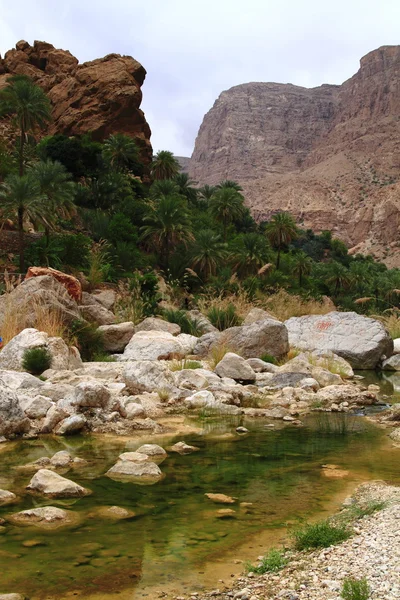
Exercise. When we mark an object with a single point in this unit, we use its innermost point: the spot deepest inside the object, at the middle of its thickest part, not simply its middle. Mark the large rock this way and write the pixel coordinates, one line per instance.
(91, 394)
(262, 337)
(106, 91)
(47, 517)
(71, 284)
(145, 473)
(97, 314)
(396, 346)
(51, 484)
(236, 367)
(156, 324)
(37, 407)
(116, 337)
(201, 322)
(12, 417)
(63, 357)
(107, 298)
(147, 376)
(152, 345)
(71, 425)
(190, 379)
(206, 342)
(360, 340)
(19, 381)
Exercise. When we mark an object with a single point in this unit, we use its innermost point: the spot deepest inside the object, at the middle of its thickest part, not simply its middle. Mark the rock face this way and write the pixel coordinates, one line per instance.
(102, 96)
(71, 284)
(261, 337)
(360, 340)
(330, 155)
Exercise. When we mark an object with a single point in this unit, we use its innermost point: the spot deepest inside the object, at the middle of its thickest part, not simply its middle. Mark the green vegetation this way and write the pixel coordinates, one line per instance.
(269, 358)
(222, 318)
(181, 318)
(355, 589)
(36, 360)
(88, 339)
(273, 561)
(319, 535)
(179, 365)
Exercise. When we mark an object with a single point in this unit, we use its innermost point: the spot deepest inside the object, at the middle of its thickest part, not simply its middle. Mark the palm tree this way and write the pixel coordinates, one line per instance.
(226, 205)
(338, 276)
(120, 151)
(28, 106)
(281, 230)
(163, 187)
(21, 195)
(57, 189)
(302, 266)
(167, 224)
(207, 252)
(186, 189)
(250, 253)
(229, 183)
(164, 165)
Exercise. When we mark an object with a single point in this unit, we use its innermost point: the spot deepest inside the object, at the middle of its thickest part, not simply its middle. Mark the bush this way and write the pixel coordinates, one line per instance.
(36, 360)
(274, 561)
(179, 365)
(59, 251)
(269, 358)
(319, 535)
(181, 318)
(222, 318)
(355, 589)
(87, 338)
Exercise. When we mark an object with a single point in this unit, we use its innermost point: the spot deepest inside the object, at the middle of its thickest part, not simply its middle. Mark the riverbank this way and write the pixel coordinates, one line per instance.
(372, 552)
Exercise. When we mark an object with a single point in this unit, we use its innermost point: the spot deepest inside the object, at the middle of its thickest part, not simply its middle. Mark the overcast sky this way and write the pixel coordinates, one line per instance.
(195, 49)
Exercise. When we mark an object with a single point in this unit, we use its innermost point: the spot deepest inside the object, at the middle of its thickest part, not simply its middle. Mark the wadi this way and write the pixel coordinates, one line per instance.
(198, 394)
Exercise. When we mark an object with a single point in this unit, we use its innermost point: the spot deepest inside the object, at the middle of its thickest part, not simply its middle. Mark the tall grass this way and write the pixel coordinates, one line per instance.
(391, 320)
(319, 535)
(130, 305)
(216, 354)
(284, 305)
(222, 318)
(181, 318)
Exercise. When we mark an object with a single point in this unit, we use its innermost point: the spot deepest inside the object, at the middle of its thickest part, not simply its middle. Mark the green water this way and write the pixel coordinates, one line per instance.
(175, 533)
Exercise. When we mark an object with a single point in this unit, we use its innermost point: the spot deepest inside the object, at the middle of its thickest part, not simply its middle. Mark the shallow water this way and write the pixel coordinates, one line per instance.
(175, 540)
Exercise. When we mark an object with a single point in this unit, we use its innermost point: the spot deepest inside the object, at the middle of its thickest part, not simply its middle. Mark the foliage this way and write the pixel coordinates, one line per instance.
(222, 318)
(138, 297)
(284, 305)
(391, 321)
(181, 318)
(207, 252)
(36, 360)
(179, 365)
(270, 563)
(121, 153)
(79, 154)
(281, 231)
(355, 589)
(319, 535)
(269, 358)
(87, 338)
(225, 205)
(216, 354)
(164, 165)
(99, 265)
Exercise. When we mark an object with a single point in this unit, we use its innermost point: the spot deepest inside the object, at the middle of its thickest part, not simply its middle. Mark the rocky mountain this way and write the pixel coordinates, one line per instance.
(330, 155)
(102, 96)
(184, 162)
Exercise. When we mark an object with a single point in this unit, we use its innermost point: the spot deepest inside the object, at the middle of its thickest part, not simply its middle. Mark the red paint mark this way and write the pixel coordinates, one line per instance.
(324, 325)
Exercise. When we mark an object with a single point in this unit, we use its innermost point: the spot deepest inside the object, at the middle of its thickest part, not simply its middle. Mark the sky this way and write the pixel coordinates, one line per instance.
(194, 49)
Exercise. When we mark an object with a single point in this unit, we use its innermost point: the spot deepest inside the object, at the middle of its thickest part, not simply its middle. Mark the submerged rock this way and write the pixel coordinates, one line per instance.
(113, 512)
(143, 473)
(220, 498)
(183, 448)
(51, 484)
(48, 517)
(7, 497)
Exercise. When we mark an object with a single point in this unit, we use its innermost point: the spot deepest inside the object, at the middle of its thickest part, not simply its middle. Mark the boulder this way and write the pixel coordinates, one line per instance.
(63, 357)
(360, 340)
(96, 313)
(114, 512)
(183, 448)
(396, 346)
(133, 410)
(48, 517)
(107, 298)
(20, 381)
(153, 450)
(236, 367)
(262, 337)
(136, 457)
(395, 434)
(37, 407)
(260, 366)
(190, 379)
(71, 425)
(220, 498)
(301, 380)
(51, 484)
(117, 336)
(206, 342)
(325, 377)
(145, 473)
(392, 363)
(61, 459)
(7, 497)
(157, 324)
(201, 399)
(12, 417)
(147, 376)
(257, 314)
(202, 323)
(153, 345)
(91, 394)
(345, 393)
(188, 342)
(71, 284)
(55, 415)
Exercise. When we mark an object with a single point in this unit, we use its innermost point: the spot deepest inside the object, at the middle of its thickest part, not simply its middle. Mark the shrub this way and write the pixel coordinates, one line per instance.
(179, 365)
(222, 318)
(181, 318)
(216, 354)
(355, 589)
(163, 394)
(269, 358)
(36, 360)
(87, 338)
(319, 535)
(274, 561)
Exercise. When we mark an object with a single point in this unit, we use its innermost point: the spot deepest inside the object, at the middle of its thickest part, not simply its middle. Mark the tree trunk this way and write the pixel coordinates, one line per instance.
(278, 259)
(21, 239)
(21, 151)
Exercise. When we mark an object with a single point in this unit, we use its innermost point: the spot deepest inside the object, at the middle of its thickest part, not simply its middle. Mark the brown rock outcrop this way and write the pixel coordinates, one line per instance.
(330, 155)
(102, 96)
(71, 284)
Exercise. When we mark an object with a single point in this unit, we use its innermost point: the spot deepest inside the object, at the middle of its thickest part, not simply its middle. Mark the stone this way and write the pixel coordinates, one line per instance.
(7, 497)
(96, 313)
(262, 337)
(12, 597)
(188, 342)
(283, 380)
(202, 323)
(200, 399)
(260, 366)
(220, 498)
(116, 337)
(18, 381)
(206, 342)
(137, 457)
(114, 512)
(392, 363)
(71, 283)
(134, 410)
(12, 418)
(54, 415)
(51, 484)
(71, 425)
(47, 517)
(190, 379)
(90, 88)
(143, 473)
(12, 354)
(360, 340)
(147, 376)
(395, 434)
(325, 377)
(61, 459)
(152, 345)
(37, 407)
(236, 367)
(396, 346)
(225, 513)
(91, 394)
(183, 448)
(157, 324)
(105, 297)
(257, 314)
(153, 450)
(63, 357)
(345, 393)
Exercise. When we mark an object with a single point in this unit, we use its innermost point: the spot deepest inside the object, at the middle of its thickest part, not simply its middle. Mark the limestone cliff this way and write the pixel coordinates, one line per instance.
(330, 155)
(102, 96)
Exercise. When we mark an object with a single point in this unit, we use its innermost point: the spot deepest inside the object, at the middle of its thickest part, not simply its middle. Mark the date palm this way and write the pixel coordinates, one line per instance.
(29, 108)
(121, 152)
(226, 205)
(186, 187)
(302, 264)
(164, 165)
(250, 252)
(167, 224)
(281, 230)
(229, 183)
(207, 252)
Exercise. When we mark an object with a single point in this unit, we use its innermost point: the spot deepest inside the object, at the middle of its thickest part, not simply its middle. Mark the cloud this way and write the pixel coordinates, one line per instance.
(195, 50)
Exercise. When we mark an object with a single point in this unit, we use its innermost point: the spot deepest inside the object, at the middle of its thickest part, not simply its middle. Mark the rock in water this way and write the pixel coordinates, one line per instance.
(360, 340)
(145, 473)
(48, 517)
(51, 484)
(7, 497)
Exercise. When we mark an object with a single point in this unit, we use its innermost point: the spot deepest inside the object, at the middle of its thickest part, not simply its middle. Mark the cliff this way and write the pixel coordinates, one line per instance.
(102, 96)
(330, 154)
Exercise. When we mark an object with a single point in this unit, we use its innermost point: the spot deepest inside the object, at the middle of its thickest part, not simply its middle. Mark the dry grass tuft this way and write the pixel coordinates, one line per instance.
(241, 302)
(283, 306)
(216, 354)
(391, 321)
